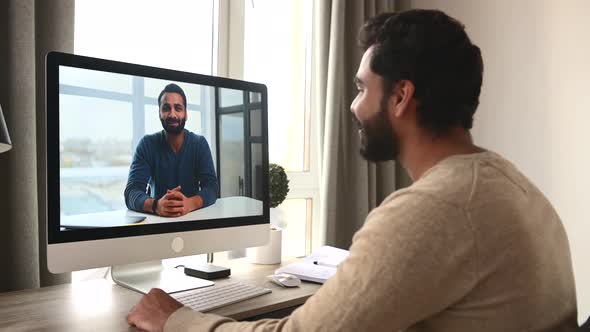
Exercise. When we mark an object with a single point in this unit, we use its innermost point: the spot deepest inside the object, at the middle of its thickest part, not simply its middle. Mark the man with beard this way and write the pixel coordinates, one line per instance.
(175, 163)
(471, 245)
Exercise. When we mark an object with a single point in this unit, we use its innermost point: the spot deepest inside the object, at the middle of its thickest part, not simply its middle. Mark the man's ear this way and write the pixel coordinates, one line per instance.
(401, 98)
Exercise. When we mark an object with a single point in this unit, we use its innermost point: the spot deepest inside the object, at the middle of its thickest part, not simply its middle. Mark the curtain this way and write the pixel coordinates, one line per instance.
(28, 30)
(349, 186)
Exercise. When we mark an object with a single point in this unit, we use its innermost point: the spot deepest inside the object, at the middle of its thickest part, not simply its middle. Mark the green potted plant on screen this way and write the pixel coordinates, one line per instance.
(278, 190)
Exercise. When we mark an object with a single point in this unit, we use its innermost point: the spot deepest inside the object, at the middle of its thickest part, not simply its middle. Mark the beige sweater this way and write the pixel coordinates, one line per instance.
(472, 246)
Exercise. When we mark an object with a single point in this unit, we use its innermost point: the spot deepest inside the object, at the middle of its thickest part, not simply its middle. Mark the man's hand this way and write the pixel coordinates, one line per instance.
(180, 200)
(174, 189)
(153, 310)
(173, 204)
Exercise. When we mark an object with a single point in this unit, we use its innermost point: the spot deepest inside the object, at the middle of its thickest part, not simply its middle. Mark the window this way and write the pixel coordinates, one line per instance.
(229, 38)
(177, 34)
(277, 52)
(94, 161)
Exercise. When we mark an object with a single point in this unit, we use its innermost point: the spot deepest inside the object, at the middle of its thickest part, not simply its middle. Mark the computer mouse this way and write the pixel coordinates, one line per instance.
(285, 280)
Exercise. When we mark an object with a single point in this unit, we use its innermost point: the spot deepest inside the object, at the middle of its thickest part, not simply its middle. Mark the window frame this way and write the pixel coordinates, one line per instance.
(228, 39)
(229, 31)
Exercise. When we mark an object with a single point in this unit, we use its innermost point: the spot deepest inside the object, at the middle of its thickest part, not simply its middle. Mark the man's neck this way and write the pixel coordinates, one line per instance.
(175, 140)
(424, 151)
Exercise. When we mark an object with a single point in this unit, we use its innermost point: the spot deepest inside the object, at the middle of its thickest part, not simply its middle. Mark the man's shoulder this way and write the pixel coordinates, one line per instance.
(151, 141)
(458, 179)
(410, 213)
(192, 135)
(412, 199)
(446, 185)
(155, 137)
(194, 138)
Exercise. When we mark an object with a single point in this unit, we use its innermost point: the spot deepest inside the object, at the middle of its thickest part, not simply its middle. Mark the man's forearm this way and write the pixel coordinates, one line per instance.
(195, 202)
(147, 205)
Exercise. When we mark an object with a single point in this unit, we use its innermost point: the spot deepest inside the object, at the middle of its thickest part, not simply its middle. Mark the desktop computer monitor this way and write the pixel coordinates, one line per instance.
(113, 147)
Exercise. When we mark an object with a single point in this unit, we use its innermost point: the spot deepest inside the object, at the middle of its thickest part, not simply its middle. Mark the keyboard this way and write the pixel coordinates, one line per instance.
(218, 295)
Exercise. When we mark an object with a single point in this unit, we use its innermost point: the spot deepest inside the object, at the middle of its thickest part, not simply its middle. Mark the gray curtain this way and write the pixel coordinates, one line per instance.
(28, 30)
(349, 186)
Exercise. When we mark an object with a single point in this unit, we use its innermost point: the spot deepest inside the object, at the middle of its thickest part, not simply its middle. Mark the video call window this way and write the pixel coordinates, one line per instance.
(103, 116)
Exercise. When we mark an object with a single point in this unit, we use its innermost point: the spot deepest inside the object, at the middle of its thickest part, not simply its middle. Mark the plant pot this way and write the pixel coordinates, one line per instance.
(267, 254)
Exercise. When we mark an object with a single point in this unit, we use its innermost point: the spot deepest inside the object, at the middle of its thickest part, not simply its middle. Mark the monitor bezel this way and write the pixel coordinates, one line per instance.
(54, 235)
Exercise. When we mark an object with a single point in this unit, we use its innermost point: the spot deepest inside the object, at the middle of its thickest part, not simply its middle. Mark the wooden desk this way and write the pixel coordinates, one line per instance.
(100, 305)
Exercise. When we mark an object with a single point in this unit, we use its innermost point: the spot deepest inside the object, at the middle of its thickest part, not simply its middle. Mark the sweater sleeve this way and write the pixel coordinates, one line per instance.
(139, 175)
(413, 257)
(206, 176)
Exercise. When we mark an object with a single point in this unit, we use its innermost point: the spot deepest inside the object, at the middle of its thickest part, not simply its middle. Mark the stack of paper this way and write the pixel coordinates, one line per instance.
(319, 266)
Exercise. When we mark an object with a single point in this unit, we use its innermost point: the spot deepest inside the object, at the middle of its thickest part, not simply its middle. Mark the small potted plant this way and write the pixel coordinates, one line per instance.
(278, 185)
(278, 189)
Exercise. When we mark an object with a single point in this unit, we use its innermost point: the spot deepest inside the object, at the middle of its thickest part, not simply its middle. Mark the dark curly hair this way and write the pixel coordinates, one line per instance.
(172, 88)
(432, 50)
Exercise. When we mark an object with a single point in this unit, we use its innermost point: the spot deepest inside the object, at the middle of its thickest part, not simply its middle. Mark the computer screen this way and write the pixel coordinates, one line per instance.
(147, 163)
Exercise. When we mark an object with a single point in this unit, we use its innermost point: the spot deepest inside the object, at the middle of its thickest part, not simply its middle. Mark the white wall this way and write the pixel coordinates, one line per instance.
(535, 102)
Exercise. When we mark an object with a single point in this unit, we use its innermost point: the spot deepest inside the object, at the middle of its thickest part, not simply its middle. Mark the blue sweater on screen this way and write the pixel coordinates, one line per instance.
(155, 164)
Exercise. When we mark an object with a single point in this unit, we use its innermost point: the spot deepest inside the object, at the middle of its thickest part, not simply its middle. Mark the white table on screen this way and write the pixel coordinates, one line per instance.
(227, 207)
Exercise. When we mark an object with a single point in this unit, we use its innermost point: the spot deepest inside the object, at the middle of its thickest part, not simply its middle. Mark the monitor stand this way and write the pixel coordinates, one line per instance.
(142, 277)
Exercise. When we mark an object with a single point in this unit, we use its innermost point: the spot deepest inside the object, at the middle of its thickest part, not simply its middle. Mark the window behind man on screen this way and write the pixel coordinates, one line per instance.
(114, 135)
